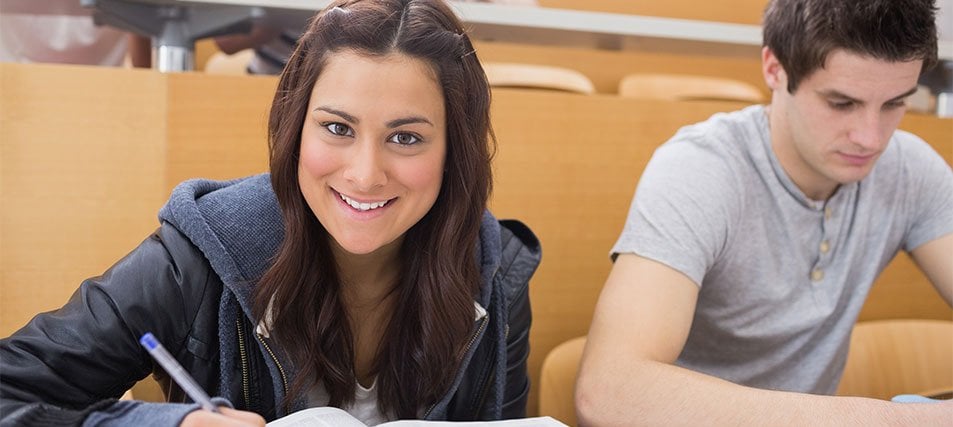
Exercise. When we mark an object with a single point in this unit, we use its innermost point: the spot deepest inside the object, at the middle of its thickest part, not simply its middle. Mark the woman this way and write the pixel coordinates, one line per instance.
(362, 273)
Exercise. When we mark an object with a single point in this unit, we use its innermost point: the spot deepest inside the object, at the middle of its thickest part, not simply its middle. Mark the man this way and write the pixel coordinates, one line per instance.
(755, 236)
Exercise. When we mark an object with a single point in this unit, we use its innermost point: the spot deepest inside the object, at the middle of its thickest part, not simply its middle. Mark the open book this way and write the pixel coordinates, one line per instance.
(334, 417)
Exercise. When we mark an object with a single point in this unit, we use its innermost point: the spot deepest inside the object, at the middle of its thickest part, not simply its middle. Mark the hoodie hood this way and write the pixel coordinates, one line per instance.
(236, 224)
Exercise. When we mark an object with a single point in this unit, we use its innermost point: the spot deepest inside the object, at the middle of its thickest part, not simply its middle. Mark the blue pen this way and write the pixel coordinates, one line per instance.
(177, 372)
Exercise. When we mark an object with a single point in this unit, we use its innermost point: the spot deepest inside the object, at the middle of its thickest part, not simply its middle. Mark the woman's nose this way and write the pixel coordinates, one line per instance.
(365, 168)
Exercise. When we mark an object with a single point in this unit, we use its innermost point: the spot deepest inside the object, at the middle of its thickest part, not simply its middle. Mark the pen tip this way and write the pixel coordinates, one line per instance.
(148, 341)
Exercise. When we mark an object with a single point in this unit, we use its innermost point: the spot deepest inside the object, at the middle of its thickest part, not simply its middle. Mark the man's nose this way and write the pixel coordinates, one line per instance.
(866, 131)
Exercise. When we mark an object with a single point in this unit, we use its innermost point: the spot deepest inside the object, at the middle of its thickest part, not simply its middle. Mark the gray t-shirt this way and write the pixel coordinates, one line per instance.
(782, 277)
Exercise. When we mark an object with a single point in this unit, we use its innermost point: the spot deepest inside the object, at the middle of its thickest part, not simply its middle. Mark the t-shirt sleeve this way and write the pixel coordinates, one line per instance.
(682, 207)
(930, 193)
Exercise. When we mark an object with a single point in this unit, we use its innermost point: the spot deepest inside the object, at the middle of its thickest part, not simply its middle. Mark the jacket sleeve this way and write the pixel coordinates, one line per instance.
(522, 250)
(69, 365)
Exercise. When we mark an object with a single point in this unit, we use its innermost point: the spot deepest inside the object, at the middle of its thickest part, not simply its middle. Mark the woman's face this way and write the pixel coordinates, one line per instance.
(373, 147)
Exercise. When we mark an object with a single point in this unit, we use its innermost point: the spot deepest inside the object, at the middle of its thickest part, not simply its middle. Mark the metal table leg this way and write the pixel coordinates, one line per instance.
(173, 27)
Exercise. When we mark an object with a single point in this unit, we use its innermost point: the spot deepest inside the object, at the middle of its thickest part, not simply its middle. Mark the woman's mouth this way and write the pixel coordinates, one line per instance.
(363, 206)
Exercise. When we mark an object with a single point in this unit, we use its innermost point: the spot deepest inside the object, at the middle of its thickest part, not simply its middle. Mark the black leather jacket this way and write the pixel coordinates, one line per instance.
(70, 364)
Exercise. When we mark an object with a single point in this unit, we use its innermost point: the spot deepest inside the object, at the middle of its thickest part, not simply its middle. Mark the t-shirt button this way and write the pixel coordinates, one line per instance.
(828, 212)
(817, 275)
(825, 246)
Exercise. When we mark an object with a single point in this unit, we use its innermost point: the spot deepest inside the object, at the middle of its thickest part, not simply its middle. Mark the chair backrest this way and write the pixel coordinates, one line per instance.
(681, 87)
(235, 64)
(900, 356)
(557, 381)
(507, 74)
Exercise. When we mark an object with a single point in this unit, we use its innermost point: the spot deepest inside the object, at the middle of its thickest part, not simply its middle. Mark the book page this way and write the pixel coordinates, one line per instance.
(335, 417)
(318, 417)
(521, 422)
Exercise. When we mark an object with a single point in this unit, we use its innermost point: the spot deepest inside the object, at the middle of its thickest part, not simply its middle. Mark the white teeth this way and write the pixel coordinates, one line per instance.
(362, 206)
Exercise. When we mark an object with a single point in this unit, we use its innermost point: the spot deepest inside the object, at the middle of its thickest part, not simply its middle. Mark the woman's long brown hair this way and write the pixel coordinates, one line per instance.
(426, 336)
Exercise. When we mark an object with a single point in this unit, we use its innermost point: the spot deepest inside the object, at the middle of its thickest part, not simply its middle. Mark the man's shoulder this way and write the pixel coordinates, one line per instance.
(726, 135)
(726, 125)
(907, 152)
(723, 148)
(907, 142)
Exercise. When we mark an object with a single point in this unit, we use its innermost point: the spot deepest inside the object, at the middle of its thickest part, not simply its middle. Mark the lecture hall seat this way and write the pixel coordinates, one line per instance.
(557, 381)
(532, 76)
(684, 87)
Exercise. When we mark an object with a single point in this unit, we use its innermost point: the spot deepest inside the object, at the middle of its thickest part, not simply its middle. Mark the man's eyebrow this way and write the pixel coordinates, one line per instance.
(339, 113)
(834, 93)
(904, 95)
(408, 120)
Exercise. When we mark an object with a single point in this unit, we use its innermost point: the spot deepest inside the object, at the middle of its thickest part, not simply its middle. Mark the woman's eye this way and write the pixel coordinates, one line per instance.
(339, 129)
(404, 138)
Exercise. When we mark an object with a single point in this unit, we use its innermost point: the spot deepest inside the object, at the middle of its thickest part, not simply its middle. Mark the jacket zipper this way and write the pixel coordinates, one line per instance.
(244, 357)
(473, 338)
(486, 386)
(284, 378)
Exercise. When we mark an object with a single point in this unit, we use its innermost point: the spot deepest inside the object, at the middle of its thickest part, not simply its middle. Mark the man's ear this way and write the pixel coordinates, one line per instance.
(772, 70)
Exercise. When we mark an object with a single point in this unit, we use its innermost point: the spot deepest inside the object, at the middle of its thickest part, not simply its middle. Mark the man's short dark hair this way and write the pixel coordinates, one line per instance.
(802, 33)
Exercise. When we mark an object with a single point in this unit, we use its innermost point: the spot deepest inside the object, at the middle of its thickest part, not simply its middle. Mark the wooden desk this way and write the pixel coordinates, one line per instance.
(88, 155)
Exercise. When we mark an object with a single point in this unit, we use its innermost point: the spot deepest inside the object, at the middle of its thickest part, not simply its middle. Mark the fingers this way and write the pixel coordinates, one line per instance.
(249, 417)
(227, 418)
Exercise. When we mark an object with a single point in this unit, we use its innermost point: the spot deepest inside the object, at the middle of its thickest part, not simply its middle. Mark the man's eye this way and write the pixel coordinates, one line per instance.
(339, 129)
(843, 105)
(404, 138)
(894, 105)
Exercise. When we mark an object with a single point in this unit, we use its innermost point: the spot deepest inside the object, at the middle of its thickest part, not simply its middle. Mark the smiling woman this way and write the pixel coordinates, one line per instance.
(364, 272)
(372, 162)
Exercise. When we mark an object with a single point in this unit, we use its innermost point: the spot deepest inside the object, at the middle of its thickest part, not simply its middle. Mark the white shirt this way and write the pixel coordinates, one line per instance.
(364, 407)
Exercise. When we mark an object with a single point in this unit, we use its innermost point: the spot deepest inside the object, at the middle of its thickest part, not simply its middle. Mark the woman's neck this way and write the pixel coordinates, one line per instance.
(367, 279)
(368, 283)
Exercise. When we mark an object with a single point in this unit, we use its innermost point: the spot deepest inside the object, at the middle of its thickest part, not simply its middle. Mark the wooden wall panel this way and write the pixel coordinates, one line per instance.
(217, 126)
(81, 152)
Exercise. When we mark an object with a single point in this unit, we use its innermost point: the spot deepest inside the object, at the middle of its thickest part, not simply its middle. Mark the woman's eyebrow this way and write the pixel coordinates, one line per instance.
(408, 120)
(339, 113)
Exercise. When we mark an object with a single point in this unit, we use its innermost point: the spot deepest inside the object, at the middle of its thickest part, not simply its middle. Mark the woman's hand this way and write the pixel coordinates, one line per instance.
(227, 418)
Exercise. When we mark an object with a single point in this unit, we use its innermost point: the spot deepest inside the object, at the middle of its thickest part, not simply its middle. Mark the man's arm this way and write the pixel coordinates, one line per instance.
(933, 258)
(627, 375)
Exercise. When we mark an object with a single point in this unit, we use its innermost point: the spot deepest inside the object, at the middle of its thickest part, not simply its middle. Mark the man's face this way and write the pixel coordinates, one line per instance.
(834, 127)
